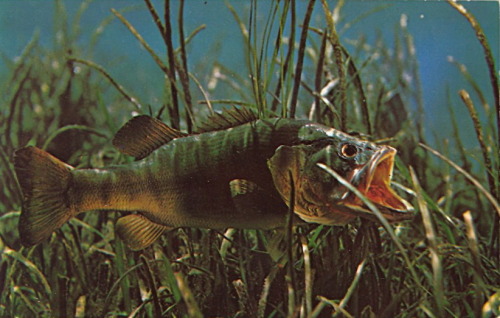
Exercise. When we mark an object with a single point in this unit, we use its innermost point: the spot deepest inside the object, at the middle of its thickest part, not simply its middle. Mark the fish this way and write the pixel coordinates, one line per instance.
(236, 171)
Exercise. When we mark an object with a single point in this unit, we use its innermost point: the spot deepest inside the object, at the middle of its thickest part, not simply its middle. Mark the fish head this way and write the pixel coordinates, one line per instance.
(317, 195)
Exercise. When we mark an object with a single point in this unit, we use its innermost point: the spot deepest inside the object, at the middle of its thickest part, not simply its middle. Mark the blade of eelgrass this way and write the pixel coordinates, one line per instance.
(290, 273)
(265, 291)
(300, 59)
(308, 281)
(285, 65)
(72, 127)
(454, 126)
(183, 71)
(265, 67)
(13, 105)
(169, 277)
(250, 51)
(141, 40)
(472, 82)
(318, 81)
(430, 232)
(34, 305)
(476, 260)
(332, 303)
(351, 289)
(76, 19)
(171, 77)
(12, 191)
(278, 49)
(22, 61)
(474, 181)
(99, 30)
(124, 280)
(119, 87)
(415, 73)
(205, 94)
(382, 220)
(490, 61)
(339, 60)
(152, 286)
(32, 269)
(490, 170)
(187, 295)
(358, 84)
(480, 138)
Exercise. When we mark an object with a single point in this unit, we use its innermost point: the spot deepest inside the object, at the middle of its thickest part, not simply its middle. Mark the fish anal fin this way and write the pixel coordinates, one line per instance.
(138, 232)
(227, 119)
(142, 135)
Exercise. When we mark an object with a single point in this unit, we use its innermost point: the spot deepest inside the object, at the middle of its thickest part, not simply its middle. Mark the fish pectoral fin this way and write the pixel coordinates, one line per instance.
(250, 199)
(242, 186)
(138, 232)
(142, 135)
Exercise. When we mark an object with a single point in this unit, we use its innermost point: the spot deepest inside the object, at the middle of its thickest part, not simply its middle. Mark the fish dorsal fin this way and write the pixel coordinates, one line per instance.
(138, 232)
(227, 119)
(142, 135)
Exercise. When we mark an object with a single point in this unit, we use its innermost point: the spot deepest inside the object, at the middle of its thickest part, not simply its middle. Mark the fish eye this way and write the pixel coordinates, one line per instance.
(348, 150)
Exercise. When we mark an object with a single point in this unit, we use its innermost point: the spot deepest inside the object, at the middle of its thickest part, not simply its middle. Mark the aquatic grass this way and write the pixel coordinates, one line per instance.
(473, 180)
(490, 61)
(300, 59)
(432, 238)
(380, 217)
(113, 82)
(339, 60)
(418, 268)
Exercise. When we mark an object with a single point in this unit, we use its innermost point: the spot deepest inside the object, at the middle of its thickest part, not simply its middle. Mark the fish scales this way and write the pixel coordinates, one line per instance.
(186, 181)
(236, 173)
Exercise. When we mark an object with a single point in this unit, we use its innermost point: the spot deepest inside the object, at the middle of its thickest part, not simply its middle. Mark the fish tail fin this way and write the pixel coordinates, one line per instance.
(44, 182)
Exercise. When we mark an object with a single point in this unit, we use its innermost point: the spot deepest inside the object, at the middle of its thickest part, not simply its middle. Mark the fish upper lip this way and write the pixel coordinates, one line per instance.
(373, 180)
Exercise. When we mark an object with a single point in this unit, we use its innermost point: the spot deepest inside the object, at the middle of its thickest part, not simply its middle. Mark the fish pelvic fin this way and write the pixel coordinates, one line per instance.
(44, 182)
(138, 232)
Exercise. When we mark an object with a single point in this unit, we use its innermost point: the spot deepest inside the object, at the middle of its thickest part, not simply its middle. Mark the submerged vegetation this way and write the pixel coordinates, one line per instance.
(445, 262)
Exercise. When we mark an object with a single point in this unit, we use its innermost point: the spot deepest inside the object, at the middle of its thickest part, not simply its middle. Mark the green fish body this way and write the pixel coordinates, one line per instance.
(235, 173)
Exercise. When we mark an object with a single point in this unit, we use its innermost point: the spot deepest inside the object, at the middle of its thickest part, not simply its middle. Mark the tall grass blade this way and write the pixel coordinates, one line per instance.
(382, 220)
(480, 289)
(300, 58)
(32, 268)
(339, 60)
(469, 177)
(490, 61)
(113, 82)
(431, 235)
(187, 295)
(351, 289)
(171, 77)
(490, 171)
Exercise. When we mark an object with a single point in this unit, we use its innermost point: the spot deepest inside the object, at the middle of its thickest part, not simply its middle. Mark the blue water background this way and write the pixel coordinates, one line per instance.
(439, 31)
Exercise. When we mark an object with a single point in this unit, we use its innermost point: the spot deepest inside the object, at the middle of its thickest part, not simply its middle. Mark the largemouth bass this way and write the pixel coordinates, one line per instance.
(238, 171)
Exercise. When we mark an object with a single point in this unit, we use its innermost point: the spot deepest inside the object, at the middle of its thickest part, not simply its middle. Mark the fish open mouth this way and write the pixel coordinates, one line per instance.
(374, 181)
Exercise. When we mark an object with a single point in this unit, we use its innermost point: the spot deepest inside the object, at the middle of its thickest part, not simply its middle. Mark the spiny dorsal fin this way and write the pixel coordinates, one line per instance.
(138, 232)
(227, 119)
(142, 135)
